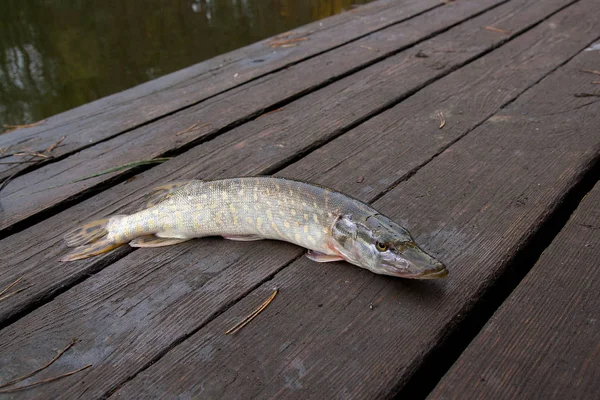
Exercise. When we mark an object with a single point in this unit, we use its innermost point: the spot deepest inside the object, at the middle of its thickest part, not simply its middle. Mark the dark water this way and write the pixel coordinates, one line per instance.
(58, 54)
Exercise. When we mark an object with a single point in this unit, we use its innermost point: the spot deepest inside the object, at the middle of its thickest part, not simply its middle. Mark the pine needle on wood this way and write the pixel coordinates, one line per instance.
(55, 378)
(56, 357)
(250, 317)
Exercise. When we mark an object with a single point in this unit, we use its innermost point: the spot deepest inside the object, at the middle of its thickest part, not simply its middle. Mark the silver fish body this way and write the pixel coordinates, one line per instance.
(333, 226)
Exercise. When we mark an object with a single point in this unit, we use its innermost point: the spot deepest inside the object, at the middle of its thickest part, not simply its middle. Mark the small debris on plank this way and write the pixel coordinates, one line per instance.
(369, 48)
(421, 54)
(497, 30)
(288, 42)
(360, 179)
(442, 120)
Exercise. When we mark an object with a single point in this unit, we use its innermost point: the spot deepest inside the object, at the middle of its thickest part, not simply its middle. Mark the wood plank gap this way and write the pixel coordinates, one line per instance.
(460, 333)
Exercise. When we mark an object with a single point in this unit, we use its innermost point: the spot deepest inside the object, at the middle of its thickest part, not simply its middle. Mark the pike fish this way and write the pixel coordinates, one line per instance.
(331, 225)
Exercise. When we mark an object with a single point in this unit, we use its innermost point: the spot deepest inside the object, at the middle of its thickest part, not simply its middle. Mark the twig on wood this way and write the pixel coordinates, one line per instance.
(55, 145)
(591, 71)
(442, 120)
(11, 128)
(30, 374)
(497, 30)
(250, 317)
(16, 389)
(34, 154)
(596, 82)
(122, 167)
(587, 95)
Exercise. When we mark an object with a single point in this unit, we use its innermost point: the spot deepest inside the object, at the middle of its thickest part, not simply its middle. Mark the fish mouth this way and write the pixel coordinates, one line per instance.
(420, 265)
(441, 273)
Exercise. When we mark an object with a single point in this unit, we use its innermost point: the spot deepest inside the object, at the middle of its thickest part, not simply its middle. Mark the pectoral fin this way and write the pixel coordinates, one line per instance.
(321, 257)
(155, 241)
(243, 238)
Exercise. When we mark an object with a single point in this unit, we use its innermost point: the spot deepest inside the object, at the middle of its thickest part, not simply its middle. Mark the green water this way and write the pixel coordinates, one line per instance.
(58, 54)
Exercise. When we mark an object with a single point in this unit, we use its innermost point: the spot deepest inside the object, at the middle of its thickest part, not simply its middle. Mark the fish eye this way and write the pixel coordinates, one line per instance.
(381, 246)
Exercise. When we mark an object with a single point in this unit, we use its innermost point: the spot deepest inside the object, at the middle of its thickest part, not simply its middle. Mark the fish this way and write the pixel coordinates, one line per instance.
(331, 225)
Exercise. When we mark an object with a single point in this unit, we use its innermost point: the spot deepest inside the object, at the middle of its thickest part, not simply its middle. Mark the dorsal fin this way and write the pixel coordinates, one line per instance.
(161, 193)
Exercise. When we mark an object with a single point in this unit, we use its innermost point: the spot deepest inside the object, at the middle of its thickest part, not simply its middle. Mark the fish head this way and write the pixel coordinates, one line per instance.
(384, 247)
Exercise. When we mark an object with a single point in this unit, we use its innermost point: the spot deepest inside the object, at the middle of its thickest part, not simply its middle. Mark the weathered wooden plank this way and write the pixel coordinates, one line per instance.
(123, 111)
(54, 184)
(170, 302)
(266, 144)
(543, 342)
(339, 332)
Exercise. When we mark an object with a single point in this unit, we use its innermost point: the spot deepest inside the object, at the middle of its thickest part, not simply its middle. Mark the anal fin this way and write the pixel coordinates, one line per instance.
(155, 241)
(243, 238)
(322, 257)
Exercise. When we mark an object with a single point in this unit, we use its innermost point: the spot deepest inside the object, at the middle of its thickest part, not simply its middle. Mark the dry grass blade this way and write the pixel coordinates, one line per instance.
(55, 378)
(596, 82)
(250, 317)
(497, 30)
(442, 120)
(288, 42)
(56, 357)
(591, 71)
(10, 128)
(11, 285)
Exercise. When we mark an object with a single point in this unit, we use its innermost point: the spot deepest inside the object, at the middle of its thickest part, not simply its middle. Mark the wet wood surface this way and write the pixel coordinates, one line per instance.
(507, 79)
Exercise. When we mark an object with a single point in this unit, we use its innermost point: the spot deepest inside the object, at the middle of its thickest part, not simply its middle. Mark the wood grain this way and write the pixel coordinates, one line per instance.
(136, 309)
(57, 183)
(264, 145)
(118, 113)
(543, 341)
(339, 332)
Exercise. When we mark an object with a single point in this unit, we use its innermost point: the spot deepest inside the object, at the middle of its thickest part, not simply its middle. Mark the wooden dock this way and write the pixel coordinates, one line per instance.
(473, 123)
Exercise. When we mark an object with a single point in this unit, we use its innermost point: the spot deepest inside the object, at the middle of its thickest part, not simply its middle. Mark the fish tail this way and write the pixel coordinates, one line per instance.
(90, 239)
